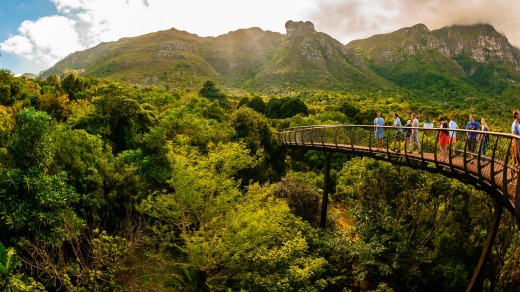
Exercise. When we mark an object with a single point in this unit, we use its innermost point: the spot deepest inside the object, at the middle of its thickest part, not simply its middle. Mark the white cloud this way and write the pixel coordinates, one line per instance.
(18, 45)
(44, 41)
(353, 19)
(66, 6)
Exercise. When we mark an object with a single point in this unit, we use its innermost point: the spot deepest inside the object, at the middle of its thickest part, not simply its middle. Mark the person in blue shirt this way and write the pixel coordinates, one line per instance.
(379, 122)
(515, 129)
(398, 132)
(472, 136)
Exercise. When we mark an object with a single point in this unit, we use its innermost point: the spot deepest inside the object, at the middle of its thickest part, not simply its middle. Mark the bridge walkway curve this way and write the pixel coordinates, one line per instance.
(486, 160)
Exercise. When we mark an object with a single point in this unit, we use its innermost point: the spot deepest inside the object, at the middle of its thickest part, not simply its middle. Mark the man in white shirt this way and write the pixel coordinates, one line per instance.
(398, 132)
(415, 134)
(453, 135)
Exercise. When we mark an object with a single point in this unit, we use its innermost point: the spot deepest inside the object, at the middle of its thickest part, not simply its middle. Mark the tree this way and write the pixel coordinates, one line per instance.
(409, 223)
(74, 86)
(256, 103)
(10, 278)
(210, 91)
(6, 94)
(243, 101)
(117, 117)
(87, 163)
(253, 129)
(301, 199)
(350, 111)
(285, 108)
(37, 207)
(203, 187)
(29, 146)
(256, 244)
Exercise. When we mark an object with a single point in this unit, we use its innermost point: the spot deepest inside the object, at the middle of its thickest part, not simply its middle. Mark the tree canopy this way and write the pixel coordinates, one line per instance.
(110, 187)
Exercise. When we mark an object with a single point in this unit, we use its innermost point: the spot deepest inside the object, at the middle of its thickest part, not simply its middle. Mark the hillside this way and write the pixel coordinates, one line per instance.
(167, 57)
(448, 64)
(451, 63)
(309, 59)
(251, 59)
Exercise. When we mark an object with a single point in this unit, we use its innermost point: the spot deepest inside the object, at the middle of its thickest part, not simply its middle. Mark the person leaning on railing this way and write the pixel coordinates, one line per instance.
(515, 129)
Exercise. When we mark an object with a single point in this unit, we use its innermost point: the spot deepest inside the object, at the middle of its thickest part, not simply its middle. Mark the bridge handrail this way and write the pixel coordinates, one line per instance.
(492, 154)
(403, 128)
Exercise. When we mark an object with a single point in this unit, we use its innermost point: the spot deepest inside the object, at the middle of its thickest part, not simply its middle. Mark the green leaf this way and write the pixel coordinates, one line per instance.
(3, 254)
(3, 270)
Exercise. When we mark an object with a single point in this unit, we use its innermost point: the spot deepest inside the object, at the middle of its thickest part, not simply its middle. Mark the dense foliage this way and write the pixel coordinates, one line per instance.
(108, 187)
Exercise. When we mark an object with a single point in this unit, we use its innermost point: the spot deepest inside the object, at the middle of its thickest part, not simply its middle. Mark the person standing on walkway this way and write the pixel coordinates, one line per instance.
(472, 136)
(515, 129)
(484, 138)
(415, 134)
(379, 122)
(398, 132)
(444, 138)
(453, 135)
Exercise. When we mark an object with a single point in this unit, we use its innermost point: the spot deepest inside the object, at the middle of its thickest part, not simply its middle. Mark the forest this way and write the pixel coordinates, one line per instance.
(106, 186)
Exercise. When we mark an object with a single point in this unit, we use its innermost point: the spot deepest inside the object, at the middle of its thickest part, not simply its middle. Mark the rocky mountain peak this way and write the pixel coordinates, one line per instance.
(481, 41)
(299, 28)
(420, 29)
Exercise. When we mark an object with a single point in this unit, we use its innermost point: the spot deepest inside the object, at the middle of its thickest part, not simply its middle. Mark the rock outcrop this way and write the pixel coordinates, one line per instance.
(299, 28)
(482, 42)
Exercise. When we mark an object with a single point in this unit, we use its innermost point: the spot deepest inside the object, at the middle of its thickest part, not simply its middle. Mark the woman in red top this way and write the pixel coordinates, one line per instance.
(444, 138)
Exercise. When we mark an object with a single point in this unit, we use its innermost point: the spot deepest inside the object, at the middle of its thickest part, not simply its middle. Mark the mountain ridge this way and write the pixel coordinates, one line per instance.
(303, 59)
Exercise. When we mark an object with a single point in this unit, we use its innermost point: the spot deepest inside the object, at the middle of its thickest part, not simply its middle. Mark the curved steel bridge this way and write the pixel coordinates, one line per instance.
(482, 159)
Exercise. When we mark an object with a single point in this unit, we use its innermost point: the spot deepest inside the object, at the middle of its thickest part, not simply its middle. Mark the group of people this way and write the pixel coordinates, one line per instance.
(445, 136)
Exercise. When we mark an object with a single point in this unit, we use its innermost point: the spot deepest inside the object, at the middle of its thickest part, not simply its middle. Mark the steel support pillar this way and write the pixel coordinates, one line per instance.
(325, 198)
(476, 280)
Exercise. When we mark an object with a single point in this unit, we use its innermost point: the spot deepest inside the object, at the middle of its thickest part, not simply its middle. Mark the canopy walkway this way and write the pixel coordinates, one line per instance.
(483, 159)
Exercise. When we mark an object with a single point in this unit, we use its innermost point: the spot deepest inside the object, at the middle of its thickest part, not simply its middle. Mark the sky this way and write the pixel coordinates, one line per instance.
(35, 34)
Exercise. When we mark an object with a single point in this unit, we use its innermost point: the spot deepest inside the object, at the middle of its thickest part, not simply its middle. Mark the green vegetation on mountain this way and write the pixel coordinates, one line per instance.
(453, 67)
(247, 59)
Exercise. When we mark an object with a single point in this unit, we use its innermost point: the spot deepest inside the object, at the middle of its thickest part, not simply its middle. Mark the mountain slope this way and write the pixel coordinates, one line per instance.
(167, 57)
(249, 58)
(240, 54)
(310, 59)
(451, 62)
(486, 56)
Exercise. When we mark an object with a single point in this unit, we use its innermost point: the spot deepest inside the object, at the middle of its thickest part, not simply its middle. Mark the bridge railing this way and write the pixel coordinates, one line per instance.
(486, 156)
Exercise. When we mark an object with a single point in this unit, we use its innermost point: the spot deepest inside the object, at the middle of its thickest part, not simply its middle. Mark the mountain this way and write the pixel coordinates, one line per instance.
(308, 59)
(452, 62)
(251, 59)
(166, 57)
